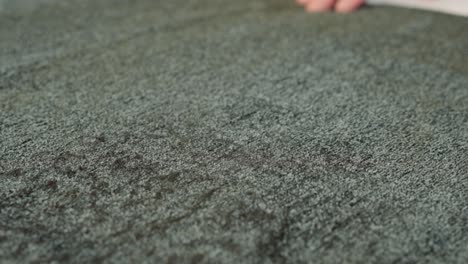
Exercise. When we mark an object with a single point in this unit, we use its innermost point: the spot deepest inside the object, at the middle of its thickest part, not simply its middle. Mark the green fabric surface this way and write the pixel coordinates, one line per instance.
(231, 132)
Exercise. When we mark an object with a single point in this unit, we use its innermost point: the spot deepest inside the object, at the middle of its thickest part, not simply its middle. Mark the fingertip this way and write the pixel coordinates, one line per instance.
(319, 5)
(346, 6)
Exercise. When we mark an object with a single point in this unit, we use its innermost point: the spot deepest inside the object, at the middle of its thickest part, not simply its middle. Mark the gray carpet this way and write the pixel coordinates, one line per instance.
(231, 132)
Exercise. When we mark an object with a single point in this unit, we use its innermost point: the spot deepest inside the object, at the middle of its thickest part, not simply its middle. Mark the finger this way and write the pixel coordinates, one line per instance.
(344, 6)
(319, 5)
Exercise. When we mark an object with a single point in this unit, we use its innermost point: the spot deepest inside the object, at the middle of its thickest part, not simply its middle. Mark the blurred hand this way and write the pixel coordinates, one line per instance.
(343, 6)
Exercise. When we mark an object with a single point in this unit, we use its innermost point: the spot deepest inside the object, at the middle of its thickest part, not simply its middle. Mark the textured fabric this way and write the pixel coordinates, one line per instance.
(231, 132)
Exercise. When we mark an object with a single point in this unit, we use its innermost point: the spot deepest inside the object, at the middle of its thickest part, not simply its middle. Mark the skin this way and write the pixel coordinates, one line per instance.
(341, 6)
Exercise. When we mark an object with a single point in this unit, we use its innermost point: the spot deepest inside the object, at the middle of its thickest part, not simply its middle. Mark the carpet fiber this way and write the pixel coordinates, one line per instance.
(231, 132)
